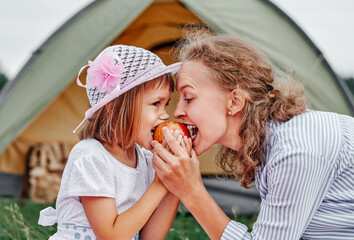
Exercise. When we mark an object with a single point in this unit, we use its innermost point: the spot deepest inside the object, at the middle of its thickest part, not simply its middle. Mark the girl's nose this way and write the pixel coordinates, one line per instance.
(164, 116)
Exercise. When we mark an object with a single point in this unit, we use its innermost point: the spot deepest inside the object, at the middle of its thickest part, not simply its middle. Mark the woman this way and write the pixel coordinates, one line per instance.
(302, 161)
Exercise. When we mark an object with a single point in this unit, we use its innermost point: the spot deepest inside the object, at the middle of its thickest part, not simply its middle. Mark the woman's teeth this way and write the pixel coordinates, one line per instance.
(193, 130)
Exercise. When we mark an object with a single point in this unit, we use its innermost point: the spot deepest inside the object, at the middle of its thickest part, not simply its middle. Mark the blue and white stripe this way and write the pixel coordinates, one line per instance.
(307, 183)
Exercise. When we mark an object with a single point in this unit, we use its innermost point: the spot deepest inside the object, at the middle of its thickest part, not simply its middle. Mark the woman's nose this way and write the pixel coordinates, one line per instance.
(179, 112)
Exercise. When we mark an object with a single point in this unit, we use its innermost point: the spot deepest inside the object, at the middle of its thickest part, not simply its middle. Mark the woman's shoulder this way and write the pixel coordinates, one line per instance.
(313, 131)
(307, 123)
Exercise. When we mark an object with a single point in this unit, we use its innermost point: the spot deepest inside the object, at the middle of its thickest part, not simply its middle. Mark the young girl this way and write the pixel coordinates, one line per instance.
(108, 188)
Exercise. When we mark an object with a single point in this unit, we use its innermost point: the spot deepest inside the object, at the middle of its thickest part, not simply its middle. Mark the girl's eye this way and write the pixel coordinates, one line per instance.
(188, 100)
(168, 103)
(156, 104)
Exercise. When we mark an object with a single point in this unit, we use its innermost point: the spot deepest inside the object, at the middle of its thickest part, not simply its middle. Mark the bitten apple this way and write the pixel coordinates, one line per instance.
(158, 135)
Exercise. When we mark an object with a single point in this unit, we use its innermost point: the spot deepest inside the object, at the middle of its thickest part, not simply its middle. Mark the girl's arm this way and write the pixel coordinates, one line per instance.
(102, 215)
(161, 221)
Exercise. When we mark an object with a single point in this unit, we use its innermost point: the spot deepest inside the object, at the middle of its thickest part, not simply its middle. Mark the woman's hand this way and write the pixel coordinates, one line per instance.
(177, 165)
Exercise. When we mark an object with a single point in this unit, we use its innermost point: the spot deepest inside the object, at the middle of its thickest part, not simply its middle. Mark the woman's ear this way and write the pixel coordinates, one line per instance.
(236, 101)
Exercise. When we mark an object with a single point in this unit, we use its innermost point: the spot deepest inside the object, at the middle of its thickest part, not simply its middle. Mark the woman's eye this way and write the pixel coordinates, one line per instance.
(156, 104)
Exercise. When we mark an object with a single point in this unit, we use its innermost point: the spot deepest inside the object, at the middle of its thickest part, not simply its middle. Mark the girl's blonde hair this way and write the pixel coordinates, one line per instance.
(236, 64)
(119, 120)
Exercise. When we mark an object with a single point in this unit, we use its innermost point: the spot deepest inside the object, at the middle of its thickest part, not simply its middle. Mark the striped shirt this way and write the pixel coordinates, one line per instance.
(307, 183)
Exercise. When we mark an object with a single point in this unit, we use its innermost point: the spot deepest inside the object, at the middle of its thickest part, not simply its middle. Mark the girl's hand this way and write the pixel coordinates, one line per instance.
(178, 168)
(184, 141)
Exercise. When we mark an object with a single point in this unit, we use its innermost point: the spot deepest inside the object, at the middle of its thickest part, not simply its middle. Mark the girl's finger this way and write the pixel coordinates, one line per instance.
(180, 139)
(162, 153)
(159, 164)
(188, 145)
(176, 133)
(183, 144)
(173, 143)
(165, 145)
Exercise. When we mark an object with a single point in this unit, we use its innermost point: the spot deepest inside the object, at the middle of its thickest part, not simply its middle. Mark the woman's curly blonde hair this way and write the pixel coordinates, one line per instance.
(236, 64)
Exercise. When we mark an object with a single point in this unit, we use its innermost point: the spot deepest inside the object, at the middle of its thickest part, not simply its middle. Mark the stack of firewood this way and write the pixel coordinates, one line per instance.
(46, 163)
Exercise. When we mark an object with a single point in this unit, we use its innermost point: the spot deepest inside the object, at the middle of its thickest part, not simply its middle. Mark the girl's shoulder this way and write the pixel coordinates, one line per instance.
(88, 149)
(88, 145)
(146, 154)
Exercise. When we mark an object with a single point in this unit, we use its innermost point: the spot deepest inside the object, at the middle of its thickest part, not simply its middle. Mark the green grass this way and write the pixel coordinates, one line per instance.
(19, 221)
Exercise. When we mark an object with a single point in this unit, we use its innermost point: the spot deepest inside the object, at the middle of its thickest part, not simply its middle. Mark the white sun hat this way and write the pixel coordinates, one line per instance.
(118, 69)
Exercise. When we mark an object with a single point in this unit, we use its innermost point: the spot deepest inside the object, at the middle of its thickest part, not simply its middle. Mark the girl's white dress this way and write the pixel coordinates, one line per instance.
(92, 171)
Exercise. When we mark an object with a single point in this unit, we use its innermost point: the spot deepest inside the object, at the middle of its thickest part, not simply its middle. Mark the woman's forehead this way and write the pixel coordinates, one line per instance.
(194, 74)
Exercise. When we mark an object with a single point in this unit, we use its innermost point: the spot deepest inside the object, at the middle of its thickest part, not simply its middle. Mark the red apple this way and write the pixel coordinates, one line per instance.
(158, 135)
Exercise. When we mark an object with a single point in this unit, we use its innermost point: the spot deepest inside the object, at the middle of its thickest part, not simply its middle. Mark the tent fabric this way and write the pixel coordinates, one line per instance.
(43, 103)
(54, 65)
(54, 124)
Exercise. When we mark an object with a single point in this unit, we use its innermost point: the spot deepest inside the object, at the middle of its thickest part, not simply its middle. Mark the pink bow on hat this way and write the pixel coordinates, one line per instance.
(104, 72)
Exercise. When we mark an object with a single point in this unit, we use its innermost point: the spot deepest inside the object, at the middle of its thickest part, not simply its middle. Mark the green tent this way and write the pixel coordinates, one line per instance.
(42, 105)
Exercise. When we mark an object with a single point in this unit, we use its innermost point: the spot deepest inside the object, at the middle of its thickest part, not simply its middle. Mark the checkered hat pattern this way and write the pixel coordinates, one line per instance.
(118, 69)
(135, 61)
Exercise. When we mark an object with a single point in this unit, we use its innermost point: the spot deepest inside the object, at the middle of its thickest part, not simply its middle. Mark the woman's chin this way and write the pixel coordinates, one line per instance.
(201, 147)
(198, 153)
(199, 150)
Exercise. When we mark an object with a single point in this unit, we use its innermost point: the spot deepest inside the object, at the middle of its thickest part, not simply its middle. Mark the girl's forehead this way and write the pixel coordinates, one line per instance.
(163, 81)
(157, 89)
